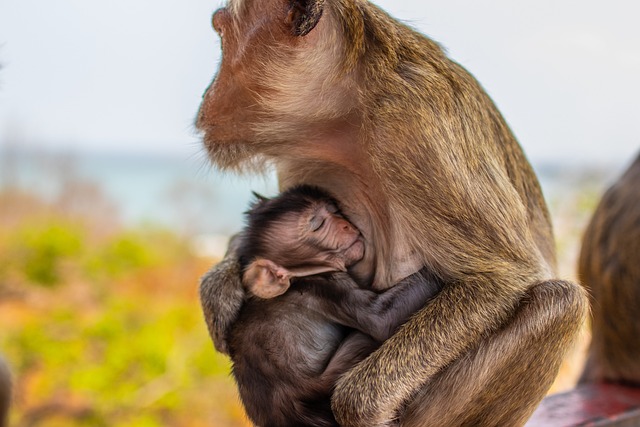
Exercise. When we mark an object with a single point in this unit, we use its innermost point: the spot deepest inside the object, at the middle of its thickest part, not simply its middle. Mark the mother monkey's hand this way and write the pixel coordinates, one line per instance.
(222, 295)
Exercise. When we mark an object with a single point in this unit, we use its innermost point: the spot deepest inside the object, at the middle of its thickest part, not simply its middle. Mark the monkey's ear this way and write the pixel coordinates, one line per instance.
(266, 279)
(259, 197)
(259, 201)
(304, 15)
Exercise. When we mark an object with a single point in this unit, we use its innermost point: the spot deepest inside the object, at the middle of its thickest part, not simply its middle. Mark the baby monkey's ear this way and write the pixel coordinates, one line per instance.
(266, 279)
(259, 197)
(258, 200)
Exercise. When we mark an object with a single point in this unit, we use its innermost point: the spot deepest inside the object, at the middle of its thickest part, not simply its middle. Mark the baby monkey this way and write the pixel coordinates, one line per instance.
(289, 346)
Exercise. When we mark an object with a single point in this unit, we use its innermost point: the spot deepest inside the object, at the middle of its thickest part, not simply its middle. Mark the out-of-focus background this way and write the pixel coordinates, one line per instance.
(109, 212)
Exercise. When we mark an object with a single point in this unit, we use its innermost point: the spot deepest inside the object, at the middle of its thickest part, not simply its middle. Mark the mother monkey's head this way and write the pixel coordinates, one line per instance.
(285, 82)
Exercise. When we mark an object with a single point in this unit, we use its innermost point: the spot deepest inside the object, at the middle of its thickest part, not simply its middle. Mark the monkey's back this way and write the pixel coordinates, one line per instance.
(279, 350)
(609, 269)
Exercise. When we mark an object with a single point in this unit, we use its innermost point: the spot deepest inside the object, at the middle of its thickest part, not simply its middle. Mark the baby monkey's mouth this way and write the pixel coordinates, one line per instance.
(355, 252)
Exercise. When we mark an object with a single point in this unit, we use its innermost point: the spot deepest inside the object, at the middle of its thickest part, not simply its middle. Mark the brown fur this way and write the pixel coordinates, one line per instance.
(609, 267)
(426, 168)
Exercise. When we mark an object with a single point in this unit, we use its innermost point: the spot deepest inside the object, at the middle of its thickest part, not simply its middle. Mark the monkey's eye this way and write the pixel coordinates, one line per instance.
(332, 208)
(317, 223)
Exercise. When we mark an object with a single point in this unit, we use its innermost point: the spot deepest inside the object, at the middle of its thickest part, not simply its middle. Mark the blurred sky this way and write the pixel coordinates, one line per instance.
(127, 75)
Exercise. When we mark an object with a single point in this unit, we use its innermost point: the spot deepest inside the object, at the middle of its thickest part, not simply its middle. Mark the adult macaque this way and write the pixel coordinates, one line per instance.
(289, 351)
(5, 393)
(609, 267)
(337, 94)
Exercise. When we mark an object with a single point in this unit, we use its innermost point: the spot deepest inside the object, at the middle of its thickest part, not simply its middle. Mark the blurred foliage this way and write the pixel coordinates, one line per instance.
(102, 324)
(40, 250)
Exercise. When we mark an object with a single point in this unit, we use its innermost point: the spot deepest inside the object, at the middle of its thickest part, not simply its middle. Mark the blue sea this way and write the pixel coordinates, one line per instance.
(179, 192)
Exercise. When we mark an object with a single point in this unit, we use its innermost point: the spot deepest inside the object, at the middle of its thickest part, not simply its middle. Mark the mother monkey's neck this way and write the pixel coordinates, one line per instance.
(338, 161)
